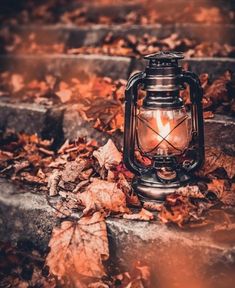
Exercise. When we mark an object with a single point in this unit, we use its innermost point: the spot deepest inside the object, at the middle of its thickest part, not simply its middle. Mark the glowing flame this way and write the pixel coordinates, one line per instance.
(163, 129)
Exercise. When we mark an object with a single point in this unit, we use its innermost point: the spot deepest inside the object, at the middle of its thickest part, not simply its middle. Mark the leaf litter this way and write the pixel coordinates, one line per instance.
(92, 183)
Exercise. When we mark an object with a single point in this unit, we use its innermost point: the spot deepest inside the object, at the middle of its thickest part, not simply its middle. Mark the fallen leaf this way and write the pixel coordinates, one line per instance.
(153, 206)
(78, 250)
(208, 115)
(215, 158)
(103, 195)
(190, 191)
(224, 192)
(108, 155)
(53, 181)
(17, 82)
(143, 215)
(64, 95)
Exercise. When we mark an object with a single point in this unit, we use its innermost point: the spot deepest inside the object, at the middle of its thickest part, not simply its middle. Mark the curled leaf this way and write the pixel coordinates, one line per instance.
(108, 155)
(103, 195)
(143, 215)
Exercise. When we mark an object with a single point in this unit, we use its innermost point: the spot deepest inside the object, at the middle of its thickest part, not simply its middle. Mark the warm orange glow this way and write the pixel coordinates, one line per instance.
(164, 129)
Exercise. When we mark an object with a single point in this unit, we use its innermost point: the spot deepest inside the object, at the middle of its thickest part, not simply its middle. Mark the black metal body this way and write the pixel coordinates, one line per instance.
(162, 80)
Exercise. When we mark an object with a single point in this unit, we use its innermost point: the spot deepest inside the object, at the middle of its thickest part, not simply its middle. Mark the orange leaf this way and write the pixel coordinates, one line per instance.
(103, 195)
(78, 249)
(108, 155)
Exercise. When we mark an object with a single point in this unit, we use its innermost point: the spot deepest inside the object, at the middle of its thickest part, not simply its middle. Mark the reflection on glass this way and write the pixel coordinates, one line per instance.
(162, 131)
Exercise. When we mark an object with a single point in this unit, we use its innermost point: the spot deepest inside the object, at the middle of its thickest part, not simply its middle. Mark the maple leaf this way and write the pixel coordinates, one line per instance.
(215, 158)
(223, 191)
(143, 215)
(103, 195)
(108, 155)
(78, 249)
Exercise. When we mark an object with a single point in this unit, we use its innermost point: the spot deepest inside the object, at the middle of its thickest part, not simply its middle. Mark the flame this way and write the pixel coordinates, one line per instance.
(163, 129)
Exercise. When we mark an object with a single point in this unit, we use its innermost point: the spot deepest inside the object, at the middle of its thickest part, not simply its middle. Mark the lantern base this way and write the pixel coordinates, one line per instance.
(148, 187)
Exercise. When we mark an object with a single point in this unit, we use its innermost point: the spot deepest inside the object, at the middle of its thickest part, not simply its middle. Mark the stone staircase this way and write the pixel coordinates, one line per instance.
(56, 121)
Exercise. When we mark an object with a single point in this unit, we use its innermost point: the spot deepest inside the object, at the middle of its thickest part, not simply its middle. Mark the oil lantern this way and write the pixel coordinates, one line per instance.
(160, 129)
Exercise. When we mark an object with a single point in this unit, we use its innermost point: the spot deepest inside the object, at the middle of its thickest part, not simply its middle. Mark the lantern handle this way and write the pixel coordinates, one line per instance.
(131, 97)
(196, 94)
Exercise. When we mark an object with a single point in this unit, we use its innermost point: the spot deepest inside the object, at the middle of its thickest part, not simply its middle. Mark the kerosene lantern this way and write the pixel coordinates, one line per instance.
(160, 129)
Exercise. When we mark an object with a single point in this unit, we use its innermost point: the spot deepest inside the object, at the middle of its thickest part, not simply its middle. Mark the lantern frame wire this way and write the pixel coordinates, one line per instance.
(163, 138)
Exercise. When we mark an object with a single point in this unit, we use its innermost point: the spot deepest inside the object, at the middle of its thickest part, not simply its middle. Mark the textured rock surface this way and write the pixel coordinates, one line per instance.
(67, 66)
(31, 118)
(24, 214)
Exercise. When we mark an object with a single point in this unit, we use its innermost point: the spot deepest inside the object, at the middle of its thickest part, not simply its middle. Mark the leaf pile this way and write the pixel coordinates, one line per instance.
(22, 266)
(92, 184)
(128, 45)
(134, 46)
(101, 100)
(139, 12)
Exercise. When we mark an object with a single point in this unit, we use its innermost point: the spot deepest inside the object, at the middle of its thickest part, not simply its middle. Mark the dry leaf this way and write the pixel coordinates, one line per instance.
(208, 115)
(78, 249)
(103, 195)
(224, 192)
(143, 215)
(64, 95)
(17, 82)
(190, 191)
(153, 206)
(176, 209)
(108, 155)
(215, 158)
(53, 182)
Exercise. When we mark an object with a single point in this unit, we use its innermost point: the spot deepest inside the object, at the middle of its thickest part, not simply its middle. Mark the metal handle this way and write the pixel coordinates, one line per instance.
(131, 96)
(196, 94)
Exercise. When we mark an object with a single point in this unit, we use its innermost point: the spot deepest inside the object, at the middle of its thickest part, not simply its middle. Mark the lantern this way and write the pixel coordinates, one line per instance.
(160, 129)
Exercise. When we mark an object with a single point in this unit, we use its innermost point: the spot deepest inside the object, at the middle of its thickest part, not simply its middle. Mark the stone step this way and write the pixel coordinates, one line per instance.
(32, 118)
(25, 214)
(119, 9)
(65, 66)
(77, 36)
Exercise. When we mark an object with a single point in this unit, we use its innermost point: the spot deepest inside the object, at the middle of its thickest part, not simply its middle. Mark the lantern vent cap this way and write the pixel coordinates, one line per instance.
(163, 58)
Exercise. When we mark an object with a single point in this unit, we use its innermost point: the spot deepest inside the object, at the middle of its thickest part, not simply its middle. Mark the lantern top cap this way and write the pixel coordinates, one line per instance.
(165, 56)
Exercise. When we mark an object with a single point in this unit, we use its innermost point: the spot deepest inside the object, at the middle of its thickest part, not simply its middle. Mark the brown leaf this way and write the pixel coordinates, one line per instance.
(208, 115)
(224, 192)
(53, 182)
(64, 95)
(108, 155)
(78, 249)
(143, 215)
(103, 195)
(153, 206)
(176, 209)
(190, 191)
(218, 91)
(215, 158)
(17, 82)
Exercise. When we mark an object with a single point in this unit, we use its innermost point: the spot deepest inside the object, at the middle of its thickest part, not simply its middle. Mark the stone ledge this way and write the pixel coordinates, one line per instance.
(74, 36)
(67, 66)
(32, 118)
(24, 214)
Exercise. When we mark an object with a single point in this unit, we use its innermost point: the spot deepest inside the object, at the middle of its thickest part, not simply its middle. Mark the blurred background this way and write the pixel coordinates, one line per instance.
(59, 53)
